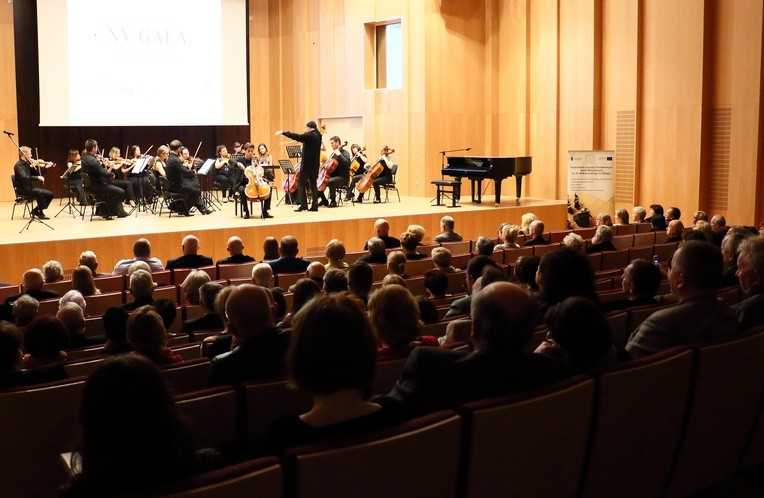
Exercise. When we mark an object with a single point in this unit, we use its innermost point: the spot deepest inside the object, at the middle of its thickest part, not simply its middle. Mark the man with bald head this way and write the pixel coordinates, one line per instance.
(262, 275)
(235, 248)
(141, 252)
(190, 258)
(537, 233)
(382, 230)
(33, 281)
(89, 259)
(504, 318)
(260, 348)
(288, 261)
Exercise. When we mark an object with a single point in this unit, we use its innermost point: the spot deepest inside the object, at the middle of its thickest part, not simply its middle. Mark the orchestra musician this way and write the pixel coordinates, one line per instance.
(142, 182)
(240, 180)
(24, 182)
(385, 176)
(224, 168)
(160, 161)
(361, 159)
(100, 182)
(115, 164)
(183, 180)
(341, 174)
(188, 162)
(264, 158)
(311, 149)
(75, 175)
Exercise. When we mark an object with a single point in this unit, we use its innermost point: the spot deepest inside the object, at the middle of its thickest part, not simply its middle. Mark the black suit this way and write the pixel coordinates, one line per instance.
(189, 261)
(23, 173)
(341, 175)
(137, 303)
(182, 182)
(235, 259)
(288, 264)
(208, 321)
(536, 241)
(261, 357)
(436, 379)
(100, 184)
(311, 160)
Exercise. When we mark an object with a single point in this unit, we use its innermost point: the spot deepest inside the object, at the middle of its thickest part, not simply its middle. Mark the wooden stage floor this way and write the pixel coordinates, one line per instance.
(112, 240)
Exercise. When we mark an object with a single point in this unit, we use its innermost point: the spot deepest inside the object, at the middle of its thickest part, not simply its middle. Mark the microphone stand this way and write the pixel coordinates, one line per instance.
(32, 216)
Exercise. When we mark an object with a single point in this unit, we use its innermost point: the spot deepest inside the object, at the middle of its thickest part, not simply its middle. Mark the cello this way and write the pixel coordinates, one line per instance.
(354, 164)
(327, 168)
(290, 183)
(373, 171)
(257, 189)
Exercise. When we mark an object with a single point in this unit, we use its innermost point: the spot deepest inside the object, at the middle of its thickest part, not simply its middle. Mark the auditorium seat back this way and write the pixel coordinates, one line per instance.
(260, 478)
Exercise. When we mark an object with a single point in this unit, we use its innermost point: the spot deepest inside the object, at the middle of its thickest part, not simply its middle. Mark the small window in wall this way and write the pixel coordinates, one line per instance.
(384, 55)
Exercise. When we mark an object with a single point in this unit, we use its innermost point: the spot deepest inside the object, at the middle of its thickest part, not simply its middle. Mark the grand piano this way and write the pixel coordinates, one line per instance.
(478, 169)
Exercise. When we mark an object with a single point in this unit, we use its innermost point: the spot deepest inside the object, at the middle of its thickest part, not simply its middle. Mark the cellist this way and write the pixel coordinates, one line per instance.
(385, 161)
(240, 180)
(341, 174)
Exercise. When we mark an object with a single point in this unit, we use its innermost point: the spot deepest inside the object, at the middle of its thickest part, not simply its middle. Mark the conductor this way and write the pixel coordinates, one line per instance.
(311, 151)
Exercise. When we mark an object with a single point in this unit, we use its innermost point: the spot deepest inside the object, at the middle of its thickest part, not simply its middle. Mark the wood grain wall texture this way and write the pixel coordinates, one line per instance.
(8, 116)
(517, 77)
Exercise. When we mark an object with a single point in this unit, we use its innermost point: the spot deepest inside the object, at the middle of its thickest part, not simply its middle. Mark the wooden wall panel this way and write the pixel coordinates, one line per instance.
(8, 116)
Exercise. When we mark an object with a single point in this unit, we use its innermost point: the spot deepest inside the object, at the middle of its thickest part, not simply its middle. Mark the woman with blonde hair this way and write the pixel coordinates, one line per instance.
(335, 253)
(396, 264)
(525, 223)
(508, 237)
(394, 315)
(441, 257)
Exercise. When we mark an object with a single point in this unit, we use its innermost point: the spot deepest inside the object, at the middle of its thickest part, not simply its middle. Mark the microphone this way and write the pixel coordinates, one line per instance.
(8, 133)
(468, 149)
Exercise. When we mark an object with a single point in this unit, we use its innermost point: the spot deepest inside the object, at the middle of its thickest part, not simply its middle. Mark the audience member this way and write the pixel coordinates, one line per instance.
(382, 231)
(428, 312)
(603, 219)
(262, 275)
(537, 234)
(562, 274)
(235, 248)
(261, 347)
(436, 284)
(220, 343)
(730, 252)
(73, 319)
(525, 273)
(525, 223)
(394, 279)
(475, 267)
(699, 216)
(335, 280)
(360, 280)
(441, 258)
(447, 231)
(621, 216)
(24, 310)
(82, 281)
(639, 214)
(602, 240)
(11, 373)
(288, 262)
(508, 237)
(376, 254)
(52, 271)
(719, 228)
(44, 342)
(396, 264)
(167, 310)
(270, 249)
(315, 271)
(210, 320)
(115, 326)
(695, 235)
(641, 280)
(672, 213)
(418, 231)
(33, 283)
(694, 274)
(133, 437)
(750, 272)
(189, 289)
(332, 357)
(335, 254)
(657, 218)
(674, 231)
(75, 297)
(394, 316)
(142, 289)
(574, 242)
(191, 257)
(483, 246)
(409, 243)
(147, 336)
(89, 259)
(579, 335)
(141, 252)
(504, 317)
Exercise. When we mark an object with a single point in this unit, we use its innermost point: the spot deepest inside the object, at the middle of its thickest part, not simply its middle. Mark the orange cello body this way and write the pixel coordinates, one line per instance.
(365, 183)
(327, 168)
(256, 189)
(290, 184)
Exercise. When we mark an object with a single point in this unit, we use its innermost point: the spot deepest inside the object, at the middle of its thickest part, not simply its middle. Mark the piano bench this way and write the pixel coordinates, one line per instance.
(447, 188)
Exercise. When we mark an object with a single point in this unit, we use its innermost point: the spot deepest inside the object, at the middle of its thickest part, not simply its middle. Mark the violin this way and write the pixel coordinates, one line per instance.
(373, 170)
(327, 168)
(354, 164)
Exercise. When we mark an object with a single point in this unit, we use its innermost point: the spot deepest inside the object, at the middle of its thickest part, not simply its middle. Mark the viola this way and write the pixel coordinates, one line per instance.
(372, 171)
(257, 189)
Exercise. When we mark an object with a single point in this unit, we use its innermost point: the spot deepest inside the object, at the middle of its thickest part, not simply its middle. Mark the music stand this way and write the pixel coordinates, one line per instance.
(288, 170)
(293, 151)
(68, 186)
(139, 168)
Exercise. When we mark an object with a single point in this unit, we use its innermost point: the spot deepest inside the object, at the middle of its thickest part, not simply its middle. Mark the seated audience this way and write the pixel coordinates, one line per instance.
(504, 318)
(133, 437)
(115, 326)
(335, 280)
(394, 279)
(270, 249)
(562, 274)
(82, 281)
(75, 297)
(730, 253)
(24, 310)
(167, 310)
(73, 319)
(428, 312)
(508, 237)
(537, 234)
(719, 229)
(574, 242)
(525, 273)
(261, 347)
(210, 320)
(221, 343)
(603, 219)
(52, 271)
(474, 269)
(11, 373)
(418, 231)
(262, 275)
(441, 258)
(235, 248)
(396, 264)
(750, 271)
(335, 254)
(189, 289)
(672, 213)
(288, 262)
(360, 280)
(657, 218)
(147, 336)
(694, 275)
(89, 259)
(641, 280)
(639, 214)
(483, 246)
(579, 335)
(142, 289)
(44, 342)
(33, 283)
(436, 284)
(191, 257)
(447, 231)
(602, 240)
(699, 216)
(621, 217)
(409, 244)
(332, 357)
(382, 231)
(674, 231)
(525, 223)
(376, 254)
(394, 316)
(141, 252)
(315, 272)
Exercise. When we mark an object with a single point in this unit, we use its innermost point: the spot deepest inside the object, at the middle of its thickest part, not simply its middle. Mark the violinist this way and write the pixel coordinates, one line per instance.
(142, 182)
(114, 165)
(190, 163)
(264, 158)
(100, 182)
(160, 161)
(23, 171)
(224, 167)
(183, 180)
(75, 175)
(240, 180)
(341, 174)
(360, 158)
(311, 149)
